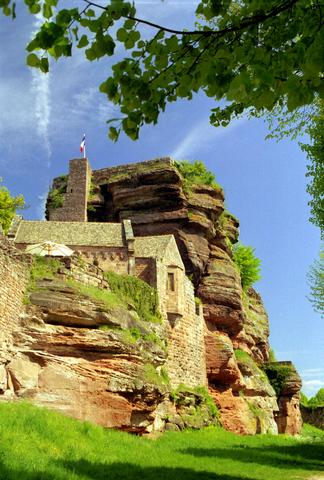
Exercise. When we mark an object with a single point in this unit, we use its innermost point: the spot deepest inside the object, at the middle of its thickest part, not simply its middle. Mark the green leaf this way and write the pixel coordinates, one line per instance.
(113, 120)
(32, 60)
(129, 24)
(113, 134)
(47, 11)
(35, 8)
(90, 13)
(122, 35)
(44, 65)
(83, 42)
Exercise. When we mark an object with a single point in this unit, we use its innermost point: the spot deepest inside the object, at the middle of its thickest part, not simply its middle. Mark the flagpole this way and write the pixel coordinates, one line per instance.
(83, 146)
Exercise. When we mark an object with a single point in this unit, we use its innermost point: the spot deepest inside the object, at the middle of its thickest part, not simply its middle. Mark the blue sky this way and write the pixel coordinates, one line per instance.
(43, 118)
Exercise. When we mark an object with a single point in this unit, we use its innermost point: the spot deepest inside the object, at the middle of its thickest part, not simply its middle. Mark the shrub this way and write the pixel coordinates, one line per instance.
(8, 207)
(177, 396)
(56, 194)
(248, 265)
(195, 173)
(133, 290)
(278, 375)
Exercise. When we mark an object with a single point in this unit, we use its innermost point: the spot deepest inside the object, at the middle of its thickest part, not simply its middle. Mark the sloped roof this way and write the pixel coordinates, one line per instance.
(152, 246)
(71, 233)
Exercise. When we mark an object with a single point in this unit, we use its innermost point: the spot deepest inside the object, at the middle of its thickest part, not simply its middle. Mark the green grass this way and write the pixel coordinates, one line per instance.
(42, 267)
(195, 173)
(37, 444)
(110, 299)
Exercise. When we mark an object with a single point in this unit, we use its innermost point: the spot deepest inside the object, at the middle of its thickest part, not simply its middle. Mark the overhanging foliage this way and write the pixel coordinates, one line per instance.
(252, 54)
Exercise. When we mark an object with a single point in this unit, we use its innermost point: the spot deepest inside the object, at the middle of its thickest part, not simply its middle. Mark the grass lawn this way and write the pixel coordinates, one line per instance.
(37, 444)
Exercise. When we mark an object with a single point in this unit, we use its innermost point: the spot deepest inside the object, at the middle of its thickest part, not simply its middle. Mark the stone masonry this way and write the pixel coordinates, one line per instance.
(76, 197)
(14, 268)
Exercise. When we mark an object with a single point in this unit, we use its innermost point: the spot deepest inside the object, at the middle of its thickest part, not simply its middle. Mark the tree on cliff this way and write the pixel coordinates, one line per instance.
(316, 282)
(8, 207)
(306, 121)
(252, 55)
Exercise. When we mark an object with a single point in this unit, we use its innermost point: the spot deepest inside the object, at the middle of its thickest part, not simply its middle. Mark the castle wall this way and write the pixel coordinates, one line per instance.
(108, 258)
(14, 275)
(186, 361)
(145, 269)
(76, 197)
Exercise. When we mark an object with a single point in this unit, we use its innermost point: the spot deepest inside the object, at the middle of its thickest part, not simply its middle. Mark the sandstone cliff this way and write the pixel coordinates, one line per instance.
(156, 198)
(60, 356)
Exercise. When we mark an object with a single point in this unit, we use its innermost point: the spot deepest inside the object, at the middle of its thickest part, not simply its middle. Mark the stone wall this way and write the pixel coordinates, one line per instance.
(76, 197)
(14, 275)
(186, 361)
(107, 258)
(75, 268)
(145, 269)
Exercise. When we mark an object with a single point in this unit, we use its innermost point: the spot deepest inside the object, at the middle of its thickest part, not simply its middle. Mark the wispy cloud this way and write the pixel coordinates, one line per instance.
(91, 103)
(310, 372)
(41, 205)
(41, 90)
(315, 383)
(201, 133)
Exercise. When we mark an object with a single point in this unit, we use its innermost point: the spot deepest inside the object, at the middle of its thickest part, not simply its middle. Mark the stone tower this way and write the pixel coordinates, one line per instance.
(74, 207)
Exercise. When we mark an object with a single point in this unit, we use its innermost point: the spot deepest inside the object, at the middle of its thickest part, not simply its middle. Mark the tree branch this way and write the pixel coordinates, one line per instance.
(245, 23)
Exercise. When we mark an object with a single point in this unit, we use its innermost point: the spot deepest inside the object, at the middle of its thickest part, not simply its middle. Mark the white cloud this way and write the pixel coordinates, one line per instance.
(314, 383)
(41, 205)
(310, 372)
(42, 108)
(202, 132)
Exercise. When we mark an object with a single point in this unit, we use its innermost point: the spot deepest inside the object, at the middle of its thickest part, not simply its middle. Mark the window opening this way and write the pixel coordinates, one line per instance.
(171, 283)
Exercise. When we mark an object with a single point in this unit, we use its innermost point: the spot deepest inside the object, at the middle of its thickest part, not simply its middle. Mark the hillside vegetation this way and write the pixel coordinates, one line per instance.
(38, 444)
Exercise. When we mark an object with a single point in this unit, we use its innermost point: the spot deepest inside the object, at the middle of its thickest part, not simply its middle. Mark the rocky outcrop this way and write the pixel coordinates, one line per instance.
(288, 417)
(93, 361)
(157, 200)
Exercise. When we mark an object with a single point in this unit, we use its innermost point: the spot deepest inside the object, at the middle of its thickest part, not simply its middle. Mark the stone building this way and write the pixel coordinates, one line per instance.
(154, 259)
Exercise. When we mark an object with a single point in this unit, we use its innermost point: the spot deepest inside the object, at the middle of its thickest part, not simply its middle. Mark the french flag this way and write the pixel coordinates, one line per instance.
(82, 144)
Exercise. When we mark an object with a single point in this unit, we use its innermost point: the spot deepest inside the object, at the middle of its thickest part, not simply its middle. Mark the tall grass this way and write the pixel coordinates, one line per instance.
(37, 444)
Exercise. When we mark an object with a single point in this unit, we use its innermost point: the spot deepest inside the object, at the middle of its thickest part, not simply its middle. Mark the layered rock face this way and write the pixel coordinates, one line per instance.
(75, 353)
(153, 196)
